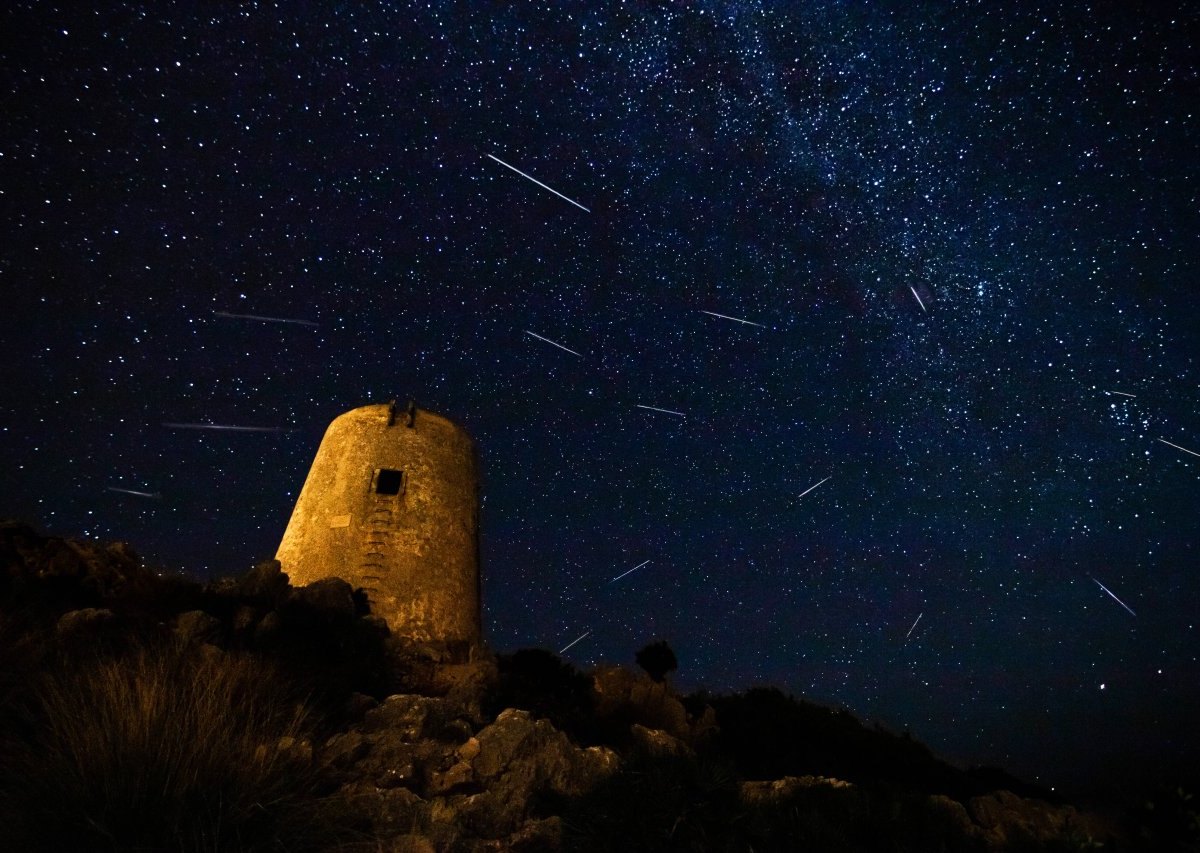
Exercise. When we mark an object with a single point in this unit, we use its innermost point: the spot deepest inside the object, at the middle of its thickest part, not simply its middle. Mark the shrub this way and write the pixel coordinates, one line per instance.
(540, 682)
(161, 749)
(657, 660)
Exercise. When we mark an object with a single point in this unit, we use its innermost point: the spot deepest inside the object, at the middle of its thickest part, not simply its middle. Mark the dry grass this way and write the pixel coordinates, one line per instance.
(161, 750)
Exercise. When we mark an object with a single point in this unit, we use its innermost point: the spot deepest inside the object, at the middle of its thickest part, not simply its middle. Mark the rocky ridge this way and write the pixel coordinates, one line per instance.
(414, 750)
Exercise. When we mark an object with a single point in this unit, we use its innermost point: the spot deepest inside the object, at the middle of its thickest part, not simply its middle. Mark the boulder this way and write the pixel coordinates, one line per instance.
(99, 569)
(83, 623)
(266, 582)
(621, 692)
(268, 629)
(332, 597)
(196, 626)
(659, 743)
(390, 812)
(1011, 820)
(408, 717)
(516, 759)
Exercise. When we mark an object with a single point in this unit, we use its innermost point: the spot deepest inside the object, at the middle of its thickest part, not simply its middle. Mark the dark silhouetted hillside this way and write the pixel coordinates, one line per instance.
(144, 711)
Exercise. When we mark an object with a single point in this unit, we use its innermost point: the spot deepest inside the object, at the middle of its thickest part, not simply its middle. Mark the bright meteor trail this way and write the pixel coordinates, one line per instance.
(1177, 447)
(552, 343)
(810, 488)
(262, 319)
(134, 492)
(539, 183)
(735, 319)
(914, 625)
(1114, 598)
(665, 411)
(225, 427)
(919, 302)
(573, 642)
(631, 571)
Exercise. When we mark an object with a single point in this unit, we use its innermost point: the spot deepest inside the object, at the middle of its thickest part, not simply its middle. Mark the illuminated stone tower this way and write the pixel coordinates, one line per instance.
(390, 505)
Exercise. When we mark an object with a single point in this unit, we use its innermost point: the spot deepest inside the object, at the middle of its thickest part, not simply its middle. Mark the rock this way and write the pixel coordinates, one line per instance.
(266, 582)
(268, 628)
(332, 597)
(400, 750)
(519, 758)
(619, 691)
(390, 812)
(400, 771)
(953, 812)
(456, 731)
(459, 778)
(407, 716)
(196, 626)
(85, 622)
(466, 683)
(344, 750)
(100, 570)
(245, 618)
(776, 791)
(469, 750)
(1011, 820)
(658, 742)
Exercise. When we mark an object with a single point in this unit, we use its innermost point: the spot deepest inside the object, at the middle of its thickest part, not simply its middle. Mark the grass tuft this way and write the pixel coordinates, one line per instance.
(163, 749)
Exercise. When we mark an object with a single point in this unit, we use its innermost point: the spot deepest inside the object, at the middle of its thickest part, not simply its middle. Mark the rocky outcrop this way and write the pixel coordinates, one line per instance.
(622, 693)
(417, 768)
(447, 761)
(1000, 821)
(77, 568)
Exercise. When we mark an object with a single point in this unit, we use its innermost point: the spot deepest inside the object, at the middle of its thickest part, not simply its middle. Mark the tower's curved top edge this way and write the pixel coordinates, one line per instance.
(384, 411)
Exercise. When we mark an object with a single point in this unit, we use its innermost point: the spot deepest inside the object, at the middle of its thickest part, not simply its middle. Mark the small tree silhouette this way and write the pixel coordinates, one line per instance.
(657, 659)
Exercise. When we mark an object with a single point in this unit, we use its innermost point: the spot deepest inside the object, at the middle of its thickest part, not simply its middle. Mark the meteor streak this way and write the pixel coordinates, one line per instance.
(134, 492)
(552, 343)
(540, 184)
(1122, 393)
(656, 409)
(914, 625)
(1177, 447)
(573, 642)
(735, 319)
(919, 302)
(631, 571)
(225, 427)
(1114, 598)
(262, 319)
(810, 488)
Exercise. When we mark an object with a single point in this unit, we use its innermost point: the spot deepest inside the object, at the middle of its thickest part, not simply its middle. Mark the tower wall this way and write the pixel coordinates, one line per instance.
(393, 508)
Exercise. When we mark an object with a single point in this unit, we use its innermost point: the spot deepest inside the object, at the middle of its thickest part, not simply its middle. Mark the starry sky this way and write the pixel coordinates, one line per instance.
(958, 241)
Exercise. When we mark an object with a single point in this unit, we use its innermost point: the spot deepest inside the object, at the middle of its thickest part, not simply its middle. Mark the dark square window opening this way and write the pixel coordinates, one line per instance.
(388, 481)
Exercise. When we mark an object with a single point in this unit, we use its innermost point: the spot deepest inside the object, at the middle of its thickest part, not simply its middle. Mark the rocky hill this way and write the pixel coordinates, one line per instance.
(149, 712)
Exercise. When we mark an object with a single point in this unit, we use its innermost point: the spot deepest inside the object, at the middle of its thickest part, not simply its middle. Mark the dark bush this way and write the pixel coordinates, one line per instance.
(540, 682)
(657, 660)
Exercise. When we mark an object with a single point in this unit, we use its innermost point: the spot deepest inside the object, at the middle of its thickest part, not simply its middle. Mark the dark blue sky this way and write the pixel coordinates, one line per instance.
(963, 236)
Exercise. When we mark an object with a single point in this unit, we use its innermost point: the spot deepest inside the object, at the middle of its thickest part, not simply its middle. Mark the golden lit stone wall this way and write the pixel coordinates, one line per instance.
(391, 505)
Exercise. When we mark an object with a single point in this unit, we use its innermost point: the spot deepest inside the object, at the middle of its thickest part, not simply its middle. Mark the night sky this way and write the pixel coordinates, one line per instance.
(959, 241)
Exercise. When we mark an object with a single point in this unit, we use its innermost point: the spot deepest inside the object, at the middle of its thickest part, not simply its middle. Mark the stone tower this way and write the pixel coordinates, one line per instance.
(390, 505)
